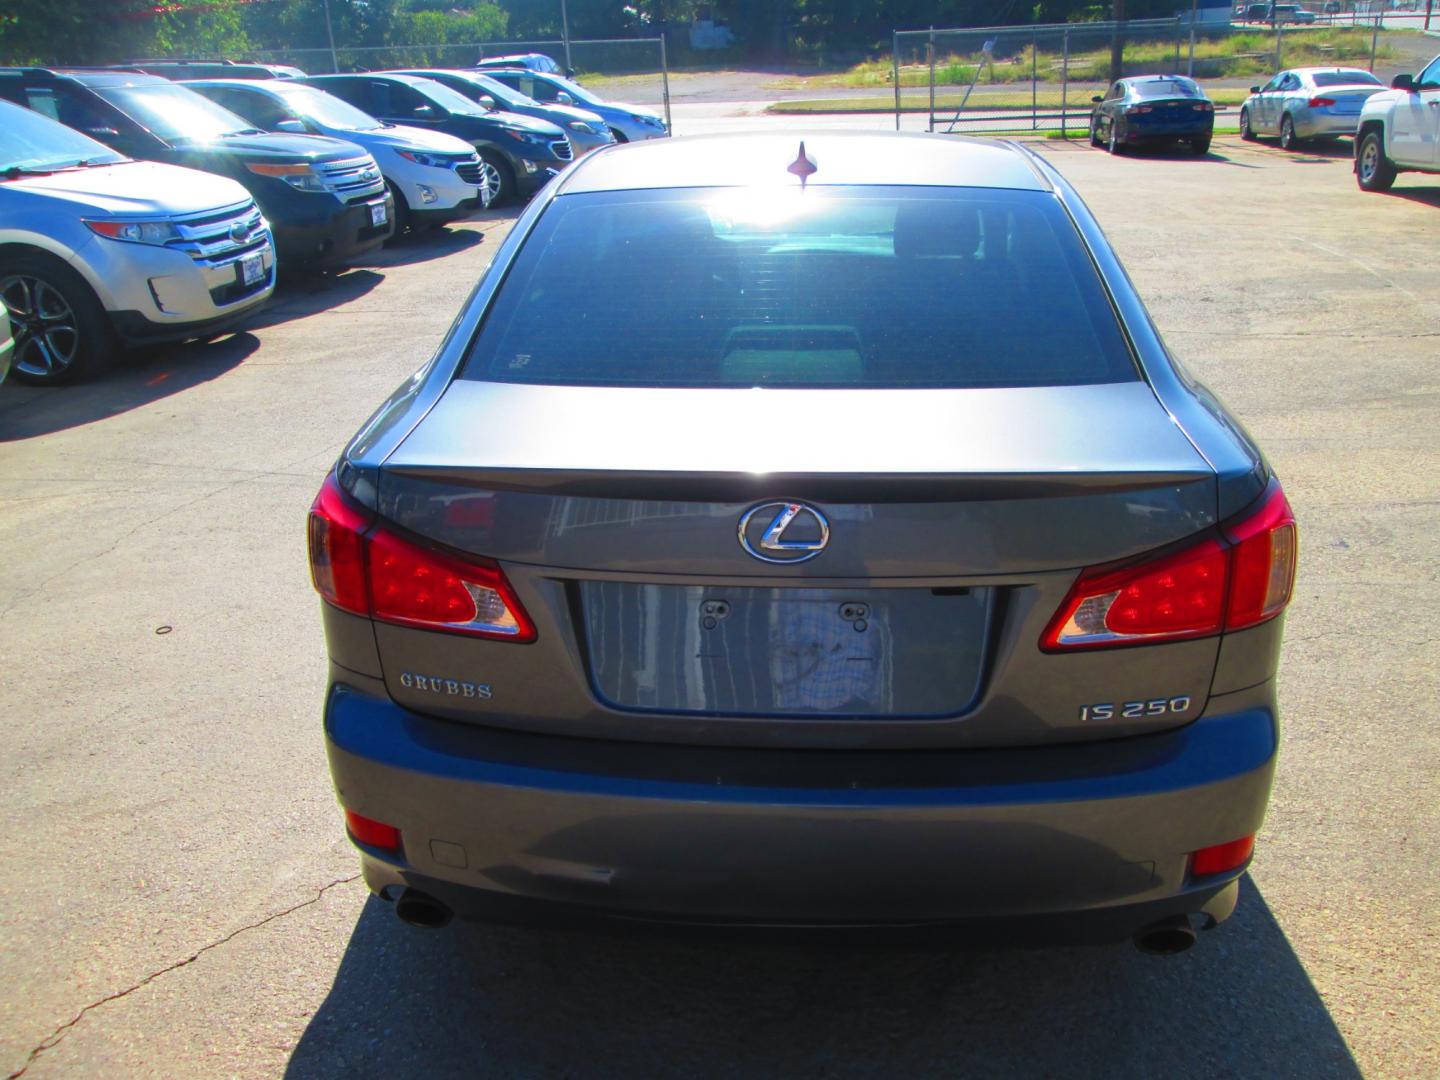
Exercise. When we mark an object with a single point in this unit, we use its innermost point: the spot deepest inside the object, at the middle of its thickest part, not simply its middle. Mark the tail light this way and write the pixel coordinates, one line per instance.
(1131, 110)
(1320, 102)
(1242, 578)
(372, 833)
(1204, 106)
(1222, 857)
(363, 568)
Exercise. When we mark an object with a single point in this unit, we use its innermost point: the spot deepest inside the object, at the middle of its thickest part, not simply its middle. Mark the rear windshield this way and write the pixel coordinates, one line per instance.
(1162, 88)
(1345, 78)
(841, 287)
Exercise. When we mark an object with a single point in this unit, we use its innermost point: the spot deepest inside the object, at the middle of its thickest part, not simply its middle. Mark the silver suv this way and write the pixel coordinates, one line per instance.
(98, 251)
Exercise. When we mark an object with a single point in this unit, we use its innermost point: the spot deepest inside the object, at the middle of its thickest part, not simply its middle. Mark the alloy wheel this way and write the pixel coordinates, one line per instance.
(47, 334)
(492, 182)
(1369, 161)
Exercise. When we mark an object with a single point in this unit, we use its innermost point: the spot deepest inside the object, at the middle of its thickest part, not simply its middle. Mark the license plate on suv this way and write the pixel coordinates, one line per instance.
(252, 269)
(377, 214)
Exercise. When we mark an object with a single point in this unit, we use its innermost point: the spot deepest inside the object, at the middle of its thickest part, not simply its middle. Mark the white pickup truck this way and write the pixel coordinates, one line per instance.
(1400, 130)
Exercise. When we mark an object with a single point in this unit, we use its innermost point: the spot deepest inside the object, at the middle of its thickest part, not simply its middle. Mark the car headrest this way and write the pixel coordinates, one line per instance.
(931, 229)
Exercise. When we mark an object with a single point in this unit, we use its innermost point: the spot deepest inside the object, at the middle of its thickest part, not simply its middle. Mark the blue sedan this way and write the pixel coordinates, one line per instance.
(1153, 110)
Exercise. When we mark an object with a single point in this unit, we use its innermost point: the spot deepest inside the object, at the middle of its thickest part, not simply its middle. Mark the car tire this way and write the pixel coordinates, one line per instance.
(1288, 139)
(1095, 139)
(403, 220)
(1200, 146)
(499, 178)
(1373, 170)
(62, 334)
(619, 135)
(1116, 146)
(1246, 131)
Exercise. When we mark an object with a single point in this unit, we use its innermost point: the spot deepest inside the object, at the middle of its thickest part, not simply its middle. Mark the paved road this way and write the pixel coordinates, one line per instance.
(175, 895)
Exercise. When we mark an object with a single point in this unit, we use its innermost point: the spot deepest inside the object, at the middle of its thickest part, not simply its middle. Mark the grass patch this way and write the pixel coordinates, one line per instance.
(1233, 55)
(1079, 99)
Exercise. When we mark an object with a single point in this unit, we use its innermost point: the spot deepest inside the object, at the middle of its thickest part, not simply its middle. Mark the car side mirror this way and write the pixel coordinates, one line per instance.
(294, 127)
(562, 98)
(1097, 99)
(1254, 90)
(487, 102)
(570, 73)
(1403, 82)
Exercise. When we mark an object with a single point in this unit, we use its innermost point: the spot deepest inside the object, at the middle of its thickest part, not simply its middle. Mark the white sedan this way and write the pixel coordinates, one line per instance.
(1308, 103)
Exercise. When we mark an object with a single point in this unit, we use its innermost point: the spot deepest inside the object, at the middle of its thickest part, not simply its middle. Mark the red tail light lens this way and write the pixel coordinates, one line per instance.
(1262, 572)
(1216, 585)
(415, 587)
(1222, 857)
(372, 833)
(1131, 110)
(368, 571)
(337, 548)
(1321, 102)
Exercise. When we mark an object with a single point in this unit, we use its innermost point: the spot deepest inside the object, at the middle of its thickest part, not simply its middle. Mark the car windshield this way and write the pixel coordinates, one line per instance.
(327, 109)
(864, 287)
(446, 98)
(30, 142)
(575, 90)
(1345, 78)
(175, 113)
(503, 95)
(1166, 88)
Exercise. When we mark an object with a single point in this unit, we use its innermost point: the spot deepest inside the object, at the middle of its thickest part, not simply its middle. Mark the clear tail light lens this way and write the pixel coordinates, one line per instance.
(367, 570)
(1218, 584)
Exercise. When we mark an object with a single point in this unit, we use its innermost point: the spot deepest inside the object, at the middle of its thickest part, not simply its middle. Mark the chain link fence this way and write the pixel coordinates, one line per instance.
(622, 69)
(1043, 77)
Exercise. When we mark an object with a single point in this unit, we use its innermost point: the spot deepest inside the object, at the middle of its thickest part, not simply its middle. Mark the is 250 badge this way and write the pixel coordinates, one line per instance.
(1135, 710)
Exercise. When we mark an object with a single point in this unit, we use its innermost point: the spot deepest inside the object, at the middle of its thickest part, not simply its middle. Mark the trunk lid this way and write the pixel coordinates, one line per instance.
(957, 521)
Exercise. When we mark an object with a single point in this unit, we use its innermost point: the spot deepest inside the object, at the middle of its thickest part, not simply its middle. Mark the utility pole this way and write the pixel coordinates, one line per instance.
(1429, 7)
(1190, 63)
(565, 37)
(1117, 40)
(330, 33)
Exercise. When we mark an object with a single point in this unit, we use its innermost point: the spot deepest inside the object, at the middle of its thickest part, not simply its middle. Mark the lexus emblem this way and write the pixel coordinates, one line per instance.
(784, 532)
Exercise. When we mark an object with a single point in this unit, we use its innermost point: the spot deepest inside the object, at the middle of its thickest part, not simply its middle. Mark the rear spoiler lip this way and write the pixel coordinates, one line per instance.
(662, 485)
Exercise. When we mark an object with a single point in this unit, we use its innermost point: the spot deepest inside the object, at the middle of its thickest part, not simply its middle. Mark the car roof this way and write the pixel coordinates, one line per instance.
(1326, 69)
(89, 76)
(241, 84)
(408, 80)
(841, 158)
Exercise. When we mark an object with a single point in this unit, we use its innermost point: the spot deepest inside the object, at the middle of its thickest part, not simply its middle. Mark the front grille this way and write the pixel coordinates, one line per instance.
(353, 179)
(221, 235)
(471, 172)
(562, 149)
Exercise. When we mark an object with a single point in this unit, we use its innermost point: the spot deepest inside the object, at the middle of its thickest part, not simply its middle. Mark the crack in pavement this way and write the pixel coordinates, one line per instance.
(55, 1037)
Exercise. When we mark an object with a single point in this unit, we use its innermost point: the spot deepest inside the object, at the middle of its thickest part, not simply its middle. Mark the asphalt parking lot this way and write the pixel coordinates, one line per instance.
(176, 894)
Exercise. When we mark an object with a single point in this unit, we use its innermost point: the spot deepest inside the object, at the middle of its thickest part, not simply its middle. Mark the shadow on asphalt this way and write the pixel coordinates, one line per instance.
(137, 378)
(420, 247)
(302, 294)
(495, 1001)
(1427, 196)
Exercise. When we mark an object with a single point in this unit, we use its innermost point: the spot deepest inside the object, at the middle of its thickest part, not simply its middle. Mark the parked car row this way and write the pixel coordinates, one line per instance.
(135, 209)
(1395, 130)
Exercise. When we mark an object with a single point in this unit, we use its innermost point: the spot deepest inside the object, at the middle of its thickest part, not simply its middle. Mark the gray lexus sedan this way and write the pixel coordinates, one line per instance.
(806, 535)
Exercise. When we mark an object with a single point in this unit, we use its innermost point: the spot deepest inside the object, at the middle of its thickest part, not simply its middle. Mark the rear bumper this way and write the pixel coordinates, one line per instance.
(1156, 132)
(1091, 837)
(1310, 124)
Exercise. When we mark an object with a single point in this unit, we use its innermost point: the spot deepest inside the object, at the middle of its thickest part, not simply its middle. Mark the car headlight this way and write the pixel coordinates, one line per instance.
(299, 176)
(136, 232)
(581, 125)
(650, 121)
(434, 161)
(527, 137)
